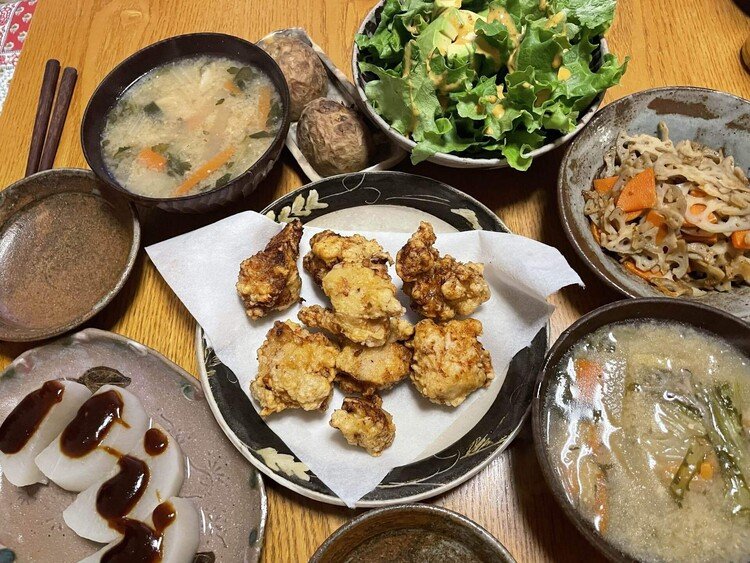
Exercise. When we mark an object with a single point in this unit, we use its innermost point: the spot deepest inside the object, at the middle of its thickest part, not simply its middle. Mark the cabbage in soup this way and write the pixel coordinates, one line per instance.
(190, 126)
(648, 426)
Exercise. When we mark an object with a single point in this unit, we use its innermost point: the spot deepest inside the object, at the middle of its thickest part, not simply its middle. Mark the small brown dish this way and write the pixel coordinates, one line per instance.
(411, 533)
(722, 324)
(127, 72)
(67, 246)
(712, 118)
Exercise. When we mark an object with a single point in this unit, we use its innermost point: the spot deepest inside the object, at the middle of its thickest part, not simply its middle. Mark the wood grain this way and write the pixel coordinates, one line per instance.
(694, 42)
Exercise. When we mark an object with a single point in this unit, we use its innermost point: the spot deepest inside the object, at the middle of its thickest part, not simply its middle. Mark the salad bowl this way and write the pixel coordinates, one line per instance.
(494, 159)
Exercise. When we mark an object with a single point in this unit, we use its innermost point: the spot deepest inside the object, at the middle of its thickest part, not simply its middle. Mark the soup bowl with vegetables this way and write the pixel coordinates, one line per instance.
(188, 123)
(642, 427)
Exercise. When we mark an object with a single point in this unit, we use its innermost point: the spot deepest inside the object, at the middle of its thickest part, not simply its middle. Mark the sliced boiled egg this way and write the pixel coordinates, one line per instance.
(106, 426)
(170, 535)
(33, 424)
(150, 473)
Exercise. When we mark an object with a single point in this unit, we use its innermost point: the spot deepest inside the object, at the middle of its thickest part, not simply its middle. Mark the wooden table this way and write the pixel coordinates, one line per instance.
(694, 42)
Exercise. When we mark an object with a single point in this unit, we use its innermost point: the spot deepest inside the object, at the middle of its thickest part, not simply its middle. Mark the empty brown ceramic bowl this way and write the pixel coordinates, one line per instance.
(67, 245)
(725, 326)
(715, 119)
(411, 533)
(174, 48)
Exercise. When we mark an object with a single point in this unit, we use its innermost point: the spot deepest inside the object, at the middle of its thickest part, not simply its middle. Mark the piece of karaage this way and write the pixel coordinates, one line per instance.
(449, 363)
(296, 369)
(439, 287)
(367, 332)
(364, 423)
(328, 249)
(269, 280)
(362, 291)
(366, 370)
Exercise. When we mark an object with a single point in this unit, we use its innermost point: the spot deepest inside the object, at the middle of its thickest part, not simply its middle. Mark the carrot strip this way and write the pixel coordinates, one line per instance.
(645, 274)
(639, 192)
(596, 233)
(701, 236)
(601, 512)
(588, 374)
(231, 87)
(706, 470)
(658, 220)
(208, 168)
(264, 106)
(633, 215)
(741, 239)
(604, 185)
(152, 159)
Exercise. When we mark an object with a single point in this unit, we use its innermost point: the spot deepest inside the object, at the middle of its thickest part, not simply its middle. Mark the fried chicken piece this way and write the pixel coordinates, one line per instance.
(295, 369)
(362, 291)
(368, 332)
(269, 280)
(439, 287)
(364, 423)
(365, 370)
(328, 249)
(449, 363)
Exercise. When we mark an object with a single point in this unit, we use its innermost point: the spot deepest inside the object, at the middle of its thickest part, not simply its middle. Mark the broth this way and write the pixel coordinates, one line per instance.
(190, 126)
(648, 429)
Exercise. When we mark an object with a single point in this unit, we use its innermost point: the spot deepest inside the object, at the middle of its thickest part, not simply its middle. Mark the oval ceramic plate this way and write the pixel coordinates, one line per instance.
(228, 491)
(378, 201)
(712, 118)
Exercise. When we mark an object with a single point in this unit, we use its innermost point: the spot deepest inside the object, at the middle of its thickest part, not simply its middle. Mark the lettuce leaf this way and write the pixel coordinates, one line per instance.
(594, 15)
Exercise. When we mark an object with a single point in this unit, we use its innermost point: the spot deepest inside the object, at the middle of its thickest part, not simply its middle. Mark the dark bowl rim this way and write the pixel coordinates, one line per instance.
(564, 211)
(197, 36)
(135, 245)
(563, 343)
(455, 517)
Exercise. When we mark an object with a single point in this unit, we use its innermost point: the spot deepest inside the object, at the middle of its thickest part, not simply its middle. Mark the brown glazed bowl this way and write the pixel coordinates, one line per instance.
(717, 322)
(67, 246)
(715, 119)
(397, 533)
(168, 50)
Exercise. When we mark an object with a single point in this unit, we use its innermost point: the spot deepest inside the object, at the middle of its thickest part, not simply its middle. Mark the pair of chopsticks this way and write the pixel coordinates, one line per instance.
(45, 137)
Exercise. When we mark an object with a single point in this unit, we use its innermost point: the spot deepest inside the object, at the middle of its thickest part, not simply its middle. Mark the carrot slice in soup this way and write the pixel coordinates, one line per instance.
(152, 159)
(741, 239)
(639, 192)
(264, 106)
(604, 185)
(208, 168)
(231, 87)
(588, 374)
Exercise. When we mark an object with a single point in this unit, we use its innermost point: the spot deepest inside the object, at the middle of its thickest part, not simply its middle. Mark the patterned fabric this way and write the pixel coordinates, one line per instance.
(15, 19)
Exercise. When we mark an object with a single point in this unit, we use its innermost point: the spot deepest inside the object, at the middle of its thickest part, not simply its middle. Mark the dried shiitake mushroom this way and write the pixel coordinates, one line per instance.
(302, 68)
(333, 138)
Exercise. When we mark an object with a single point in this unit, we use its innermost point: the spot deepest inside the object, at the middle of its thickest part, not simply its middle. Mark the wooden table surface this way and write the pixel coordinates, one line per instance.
(670, 42)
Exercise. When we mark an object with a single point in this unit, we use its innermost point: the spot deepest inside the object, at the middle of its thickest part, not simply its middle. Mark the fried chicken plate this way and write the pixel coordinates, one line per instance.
(328, 249)
(364, 423)
(449, 363)
(296, 369)
(269, 280)
(440, 288)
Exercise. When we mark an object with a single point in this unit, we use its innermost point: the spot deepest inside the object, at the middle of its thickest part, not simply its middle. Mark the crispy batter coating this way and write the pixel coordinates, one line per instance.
(439, 287)
(269, 280)
(449, 363)
(362, 291)
(364, 423)
(295, 370)
(368, 332)
(328, 249)
(365, 370)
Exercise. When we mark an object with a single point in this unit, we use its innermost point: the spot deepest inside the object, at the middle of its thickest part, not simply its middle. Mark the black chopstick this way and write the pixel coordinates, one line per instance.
(43, 110)
(59, 114)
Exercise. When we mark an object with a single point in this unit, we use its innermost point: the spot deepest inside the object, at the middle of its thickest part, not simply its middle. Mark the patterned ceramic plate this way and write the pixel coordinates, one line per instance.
(378, 201)
(228, 491)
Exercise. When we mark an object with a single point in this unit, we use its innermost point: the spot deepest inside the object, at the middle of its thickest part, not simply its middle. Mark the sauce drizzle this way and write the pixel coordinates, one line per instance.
(140, 542)
(118, 495)
(91, 424)
(155, 442)
(22, 422)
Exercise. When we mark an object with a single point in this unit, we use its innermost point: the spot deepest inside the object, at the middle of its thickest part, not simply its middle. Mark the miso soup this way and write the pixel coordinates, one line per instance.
(190, 126)
(648, 431)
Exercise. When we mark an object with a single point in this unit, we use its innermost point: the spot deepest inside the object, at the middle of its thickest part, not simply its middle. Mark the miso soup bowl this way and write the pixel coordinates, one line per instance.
(169, 50)
(719, 323)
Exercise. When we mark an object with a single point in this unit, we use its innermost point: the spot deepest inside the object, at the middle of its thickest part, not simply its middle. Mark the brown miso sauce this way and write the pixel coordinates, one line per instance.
(155, 441)
(118, 495)
(140, 542)
(23, 421)
(92, 423)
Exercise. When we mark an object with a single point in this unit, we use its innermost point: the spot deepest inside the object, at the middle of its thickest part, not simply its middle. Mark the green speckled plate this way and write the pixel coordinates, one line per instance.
(226, 488)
